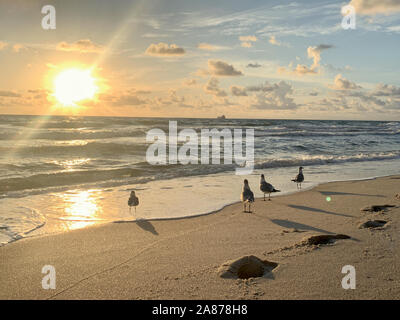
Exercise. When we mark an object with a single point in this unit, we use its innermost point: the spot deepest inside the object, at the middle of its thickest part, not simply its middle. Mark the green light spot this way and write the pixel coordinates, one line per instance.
(328, 199)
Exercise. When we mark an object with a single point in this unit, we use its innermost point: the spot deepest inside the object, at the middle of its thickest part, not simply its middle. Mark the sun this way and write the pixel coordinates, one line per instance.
(74, 85)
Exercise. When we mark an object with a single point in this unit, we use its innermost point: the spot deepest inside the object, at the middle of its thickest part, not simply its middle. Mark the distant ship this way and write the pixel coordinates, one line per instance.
(221, 117)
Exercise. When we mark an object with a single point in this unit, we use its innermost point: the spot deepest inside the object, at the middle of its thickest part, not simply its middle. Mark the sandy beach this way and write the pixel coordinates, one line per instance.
(184, 258)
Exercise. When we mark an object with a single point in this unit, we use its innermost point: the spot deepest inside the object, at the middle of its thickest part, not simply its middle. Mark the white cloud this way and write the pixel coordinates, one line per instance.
(84, 45)
(373, 7)
(247, 41)
(341, 83)
(221, 68)
(163, 49)
(313, 53)
(210, 47)
(212, 87)
(272, 40)
(272, 96)
(238, 91)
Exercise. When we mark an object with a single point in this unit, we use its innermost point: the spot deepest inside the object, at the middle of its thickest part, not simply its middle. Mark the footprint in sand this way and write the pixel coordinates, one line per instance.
(377, 208)
(372, 224)
(323, 239)
(246, 267)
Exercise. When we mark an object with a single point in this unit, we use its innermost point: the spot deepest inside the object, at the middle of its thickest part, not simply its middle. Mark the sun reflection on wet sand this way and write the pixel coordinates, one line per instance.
(82, 208)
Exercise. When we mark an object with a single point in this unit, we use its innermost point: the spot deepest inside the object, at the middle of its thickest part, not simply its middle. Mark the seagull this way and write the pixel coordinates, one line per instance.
(266, 187)
(247, 196)
(133, 201)
(299, 178)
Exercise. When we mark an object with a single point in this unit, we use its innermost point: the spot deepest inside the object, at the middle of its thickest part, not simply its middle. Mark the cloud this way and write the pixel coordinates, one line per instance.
(163, 49)
(247, 41)
(272, 40)
(341, 83)
(172, 99)
(3, 45)
(268, 96)
(83, 45)
(350, 96)
(272, 96)
(254, 65)
(373, 7)
(206, 46)
(246, 44)
(386, 90)
(300, 70)
(212, 87)
(210, 47)
(9, 94)
(221, 68)
(189, 82)
(313, 53)
(248, 38)
(18, 47)
(238, 91)
(128, 97)
(128, 100)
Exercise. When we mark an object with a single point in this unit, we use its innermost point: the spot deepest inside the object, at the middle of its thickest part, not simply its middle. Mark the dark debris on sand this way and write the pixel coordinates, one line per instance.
(377, 208)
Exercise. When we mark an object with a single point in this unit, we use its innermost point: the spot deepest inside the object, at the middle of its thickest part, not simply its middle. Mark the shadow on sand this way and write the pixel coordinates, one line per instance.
(317, 210)
(144, 224)
(299, 226)
(334, 193)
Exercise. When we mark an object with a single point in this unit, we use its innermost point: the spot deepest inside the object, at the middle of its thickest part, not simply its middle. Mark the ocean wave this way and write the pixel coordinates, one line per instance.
(18, 223)
(79, 148)
(40, 181)
(325, 159)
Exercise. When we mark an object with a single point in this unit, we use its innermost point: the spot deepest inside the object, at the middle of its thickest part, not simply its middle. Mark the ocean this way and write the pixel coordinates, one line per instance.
(59, 173)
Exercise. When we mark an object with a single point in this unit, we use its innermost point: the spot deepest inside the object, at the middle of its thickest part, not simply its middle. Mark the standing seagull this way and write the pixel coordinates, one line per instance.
(299, 178)
(247, 196)
(266, 187)
(133, 201)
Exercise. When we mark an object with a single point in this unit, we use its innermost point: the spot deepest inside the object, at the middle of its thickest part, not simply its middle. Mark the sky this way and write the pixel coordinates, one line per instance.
(187, 58)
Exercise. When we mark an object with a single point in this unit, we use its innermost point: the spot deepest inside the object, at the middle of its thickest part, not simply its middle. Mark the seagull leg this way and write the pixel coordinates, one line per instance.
(269, 199)
(264, 196)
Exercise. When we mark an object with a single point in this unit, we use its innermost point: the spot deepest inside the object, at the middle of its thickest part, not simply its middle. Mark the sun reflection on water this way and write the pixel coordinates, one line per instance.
(82, 208)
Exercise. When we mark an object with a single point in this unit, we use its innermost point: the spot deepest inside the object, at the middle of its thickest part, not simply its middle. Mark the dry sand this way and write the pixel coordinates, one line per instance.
(185, 258)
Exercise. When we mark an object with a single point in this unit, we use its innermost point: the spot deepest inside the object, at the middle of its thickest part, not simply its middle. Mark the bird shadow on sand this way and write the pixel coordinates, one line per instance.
(334, 193)
(317, 210)
(144, 224)
(303, 227)
(299, 226)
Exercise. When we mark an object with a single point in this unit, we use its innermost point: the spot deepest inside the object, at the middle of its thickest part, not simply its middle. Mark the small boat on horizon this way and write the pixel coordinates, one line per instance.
(221, 117)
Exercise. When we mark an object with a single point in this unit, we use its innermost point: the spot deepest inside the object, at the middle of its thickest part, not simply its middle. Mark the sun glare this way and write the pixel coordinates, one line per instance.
(74, 85)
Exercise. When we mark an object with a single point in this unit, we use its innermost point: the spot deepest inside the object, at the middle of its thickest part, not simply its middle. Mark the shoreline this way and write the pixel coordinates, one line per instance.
(189, 216)
(181, 258)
